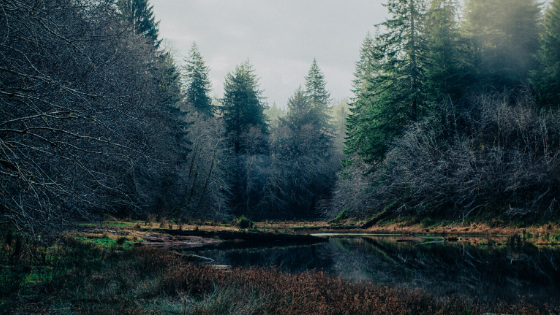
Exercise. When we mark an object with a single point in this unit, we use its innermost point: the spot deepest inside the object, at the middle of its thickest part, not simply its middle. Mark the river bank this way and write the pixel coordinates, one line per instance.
(79, 277)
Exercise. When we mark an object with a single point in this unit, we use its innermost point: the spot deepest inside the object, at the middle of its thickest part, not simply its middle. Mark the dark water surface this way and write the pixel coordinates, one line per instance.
(473, 268)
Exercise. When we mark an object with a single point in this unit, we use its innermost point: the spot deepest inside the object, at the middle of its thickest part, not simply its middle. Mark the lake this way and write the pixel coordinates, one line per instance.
(473, 267)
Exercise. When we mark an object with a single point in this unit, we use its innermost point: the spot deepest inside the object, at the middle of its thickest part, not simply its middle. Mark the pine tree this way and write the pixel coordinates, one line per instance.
(505, 36)
(197, 82)
(319, 98)
(367, 65)
(392, 94)
(140, 16)
(243, 106)
(546, 80)
(360, 123)
(447, 68)
(299, 111)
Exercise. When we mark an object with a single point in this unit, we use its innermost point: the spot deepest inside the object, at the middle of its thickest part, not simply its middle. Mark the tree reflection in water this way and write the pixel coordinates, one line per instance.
(510, 271)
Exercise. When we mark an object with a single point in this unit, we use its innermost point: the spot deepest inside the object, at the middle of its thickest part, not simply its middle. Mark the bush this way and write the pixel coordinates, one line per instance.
(244, 223)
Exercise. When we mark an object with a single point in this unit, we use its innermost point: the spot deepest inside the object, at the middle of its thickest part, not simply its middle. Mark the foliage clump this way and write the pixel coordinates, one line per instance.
(243, 222)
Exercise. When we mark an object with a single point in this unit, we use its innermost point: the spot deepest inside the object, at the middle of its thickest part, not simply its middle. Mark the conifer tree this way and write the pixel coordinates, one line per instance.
(319, 98)
(505, 36)
(360, 122)
(447, 68)
(243, 105)
(546, 80)
(140, 16)
(393, 94)
(197, 82)
(299, 111)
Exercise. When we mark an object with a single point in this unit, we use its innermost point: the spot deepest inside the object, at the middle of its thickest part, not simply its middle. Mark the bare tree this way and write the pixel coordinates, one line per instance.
(206, 185)
(79, 116)
(491, 153)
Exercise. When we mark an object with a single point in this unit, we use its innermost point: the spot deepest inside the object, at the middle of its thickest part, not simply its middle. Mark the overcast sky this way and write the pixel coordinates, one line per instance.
(280, 38)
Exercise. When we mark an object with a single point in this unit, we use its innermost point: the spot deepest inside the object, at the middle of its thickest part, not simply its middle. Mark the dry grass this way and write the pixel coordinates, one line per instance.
(459, 228)
(93, 280)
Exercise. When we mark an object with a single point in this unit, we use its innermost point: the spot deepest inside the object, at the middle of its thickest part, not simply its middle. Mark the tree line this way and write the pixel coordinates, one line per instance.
(96, 118)
(455, 112)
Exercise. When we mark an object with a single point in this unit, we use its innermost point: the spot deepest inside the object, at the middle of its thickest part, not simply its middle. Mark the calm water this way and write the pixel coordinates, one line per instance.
(475, 268)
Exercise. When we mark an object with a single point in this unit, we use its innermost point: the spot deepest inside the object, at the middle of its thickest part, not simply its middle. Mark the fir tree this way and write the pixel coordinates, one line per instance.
(243, 106)
(360, 123)
(299, 111)
(505, 36)
(546, 80)
(319, 98)
(197, 82)
(447, 68)
(392, 94)
(140, 16)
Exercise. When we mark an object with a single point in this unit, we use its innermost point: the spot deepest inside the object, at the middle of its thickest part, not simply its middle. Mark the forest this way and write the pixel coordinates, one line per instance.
(455, 113)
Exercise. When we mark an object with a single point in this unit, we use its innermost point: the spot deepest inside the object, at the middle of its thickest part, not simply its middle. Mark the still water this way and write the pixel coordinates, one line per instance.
(487, 269)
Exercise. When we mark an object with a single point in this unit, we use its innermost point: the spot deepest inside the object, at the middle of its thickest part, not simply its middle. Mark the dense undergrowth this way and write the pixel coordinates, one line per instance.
(75, 276)
(488, 156)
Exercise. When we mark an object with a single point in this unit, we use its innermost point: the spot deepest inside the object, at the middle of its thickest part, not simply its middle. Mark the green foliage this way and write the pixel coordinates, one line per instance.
(243, 106)
(447, 70)
(427, 222)
(546, 80)
(243, 222)
(504, 35)
(343, 215)
(197, 82)
(140, 16)
(108, 243)
(274, 113)
(389, 84)
(317, 110)
(299, 111)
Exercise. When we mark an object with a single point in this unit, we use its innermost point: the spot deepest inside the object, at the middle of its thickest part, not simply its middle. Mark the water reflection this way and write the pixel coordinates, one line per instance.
(477, 268)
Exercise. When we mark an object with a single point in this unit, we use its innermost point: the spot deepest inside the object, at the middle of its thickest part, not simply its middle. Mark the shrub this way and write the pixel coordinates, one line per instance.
(494, 153)
(244, 223)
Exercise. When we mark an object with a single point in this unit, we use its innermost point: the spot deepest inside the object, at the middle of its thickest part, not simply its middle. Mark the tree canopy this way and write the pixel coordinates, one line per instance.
(198, 84)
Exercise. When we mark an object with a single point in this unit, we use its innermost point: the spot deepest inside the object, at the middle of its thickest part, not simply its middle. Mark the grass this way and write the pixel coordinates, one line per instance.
(107, 242)
(97, 275)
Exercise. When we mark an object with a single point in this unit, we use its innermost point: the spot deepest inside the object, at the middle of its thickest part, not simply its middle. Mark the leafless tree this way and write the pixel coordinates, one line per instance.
(78, 115)
(206, 186)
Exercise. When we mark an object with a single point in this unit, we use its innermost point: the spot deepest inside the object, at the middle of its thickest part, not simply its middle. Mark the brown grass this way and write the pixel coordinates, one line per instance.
(459, 228)
(92, 280)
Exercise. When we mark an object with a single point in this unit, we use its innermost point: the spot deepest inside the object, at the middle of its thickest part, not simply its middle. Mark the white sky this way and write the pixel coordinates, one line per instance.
(279, 37)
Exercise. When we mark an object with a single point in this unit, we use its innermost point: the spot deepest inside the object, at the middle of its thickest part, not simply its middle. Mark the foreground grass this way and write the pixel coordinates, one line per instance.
(86, 277)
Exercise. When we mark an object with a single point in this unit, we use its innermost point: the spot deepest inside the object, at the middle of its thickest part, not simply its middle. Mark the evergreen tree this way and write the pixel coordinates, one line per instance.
(243, 106)
(361, 135)
(546, 80)
(140, 16)
(168, 81)
(198, 83)
(299, 111)
(505, 36)
(392, 93)
(367, 65)
(319, 98)
(447, 68)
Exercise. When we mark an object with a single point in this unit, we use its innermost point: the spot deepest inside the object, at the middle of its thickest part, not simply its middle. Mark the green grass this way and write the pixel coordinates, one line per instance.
(108, 243)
